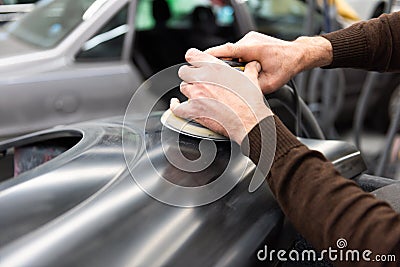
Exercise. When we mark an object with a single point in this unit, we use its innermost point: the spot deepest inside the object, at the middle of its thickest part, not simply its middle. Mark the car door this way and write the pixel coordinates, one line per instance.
(102, 74)
(86, 75)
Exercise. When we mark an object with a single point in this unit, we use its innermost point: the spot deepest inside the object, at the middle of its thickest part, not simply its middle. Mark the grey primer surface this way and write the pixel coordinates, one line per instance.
(84, 209)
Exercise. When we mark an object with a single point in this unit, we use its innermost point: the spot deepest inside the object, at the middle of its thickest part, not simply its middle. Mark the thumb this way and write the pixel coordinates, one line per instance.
(252, 71)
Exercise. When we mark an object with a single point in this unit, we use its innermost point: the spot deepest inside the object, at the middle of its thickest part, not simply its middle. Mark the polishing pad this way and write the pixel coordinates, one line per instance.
(190, 128)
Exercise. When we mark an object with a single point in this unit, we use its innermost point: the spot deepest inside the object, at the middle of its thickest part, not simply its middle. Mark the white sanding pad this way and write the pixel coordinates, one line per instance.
(190, 128)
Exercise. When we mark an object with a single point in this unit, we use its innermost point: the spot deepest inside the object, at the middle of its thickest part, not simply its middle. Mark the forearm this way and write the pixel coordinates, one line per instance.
(372, 45)
(322, 205)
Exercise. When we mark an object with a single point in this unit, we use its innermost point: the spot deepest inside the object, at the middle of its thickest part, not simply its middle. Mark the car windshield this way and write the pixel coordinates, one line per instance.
(52, 21)
(284, 19)
(14, 2)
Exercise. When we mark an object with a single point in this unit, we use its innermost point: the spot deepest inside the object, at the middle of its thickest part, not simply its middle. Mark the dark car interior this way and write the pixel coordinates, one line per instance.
(24, 156)
(163, 44)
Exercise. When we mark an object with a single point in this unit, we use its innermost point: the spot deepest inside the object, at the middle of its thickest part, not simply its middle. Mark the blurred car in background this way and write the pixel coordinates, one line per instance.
(284, 19)
(11, 10)
(74, 60)
(396, 6)
(287, 19)
(367, 9)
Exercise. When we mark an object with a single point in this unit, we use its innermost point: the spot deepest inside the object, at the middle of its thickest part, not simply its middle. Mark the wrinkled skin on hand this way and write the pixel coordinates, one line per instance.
(280, 60)
(221, 98)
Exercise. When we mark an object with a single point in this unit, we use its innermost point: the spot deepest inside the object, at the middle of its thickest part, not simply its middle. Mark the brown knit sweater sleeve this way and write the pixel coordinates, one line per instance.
(321, 204)
(371, 45)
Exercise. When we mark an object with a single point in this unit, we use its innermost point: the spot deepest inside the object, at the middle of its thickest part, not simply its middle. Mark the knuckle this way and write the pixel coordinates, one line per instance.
(252, 34)
(179, 111)
(196, 94)
(189, 53)
(216, 68)
(183, 87)
(230, 46)
(185, 90)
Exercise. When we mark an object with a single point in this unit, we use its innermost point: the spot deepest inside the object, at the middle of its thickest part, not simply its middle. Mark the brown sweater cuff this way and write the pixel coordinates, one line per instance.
(271, 127)
(350, 47)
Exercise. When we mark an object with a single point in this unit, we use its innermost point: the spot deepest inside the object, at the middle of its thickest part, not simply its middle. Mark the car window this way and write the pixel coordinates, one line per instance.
(165, 29)
(107, 43)
(13, 10)
(181, 12)
(14, 2)
(281, 18)
(50, 22)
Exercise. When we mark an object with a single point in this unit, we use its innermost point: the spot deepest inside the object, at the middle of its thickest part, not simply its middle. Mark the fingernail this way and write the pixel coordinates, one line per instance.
(192, 51)
(174, 102)
(258, 66)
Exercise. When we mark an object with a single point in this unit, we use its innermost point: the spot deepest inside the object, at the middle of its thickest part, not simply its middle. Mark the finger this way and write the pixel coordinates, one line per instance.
(252, 71)
(194, 90)
(178, 108)
(227, 50)
(183, 110)
(188, 74)
(174, 103)
(185, 89)
(192, 75)
(197, 58)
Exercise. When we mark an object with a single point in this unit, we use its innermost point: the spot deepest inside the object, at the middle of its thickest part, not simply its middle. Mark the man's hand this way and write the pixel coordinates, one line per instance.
(280, 60)
(221, 98)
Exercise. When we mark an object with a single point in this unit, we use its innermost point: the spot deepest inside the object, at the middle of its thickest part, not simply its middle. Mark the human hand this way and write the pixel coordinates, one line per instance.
(280, 60)
(221, 98)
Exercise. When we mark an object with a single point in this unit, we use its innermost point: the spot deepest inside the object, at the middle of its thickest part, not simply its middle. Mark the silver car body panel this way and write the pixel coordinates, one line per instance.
(11, 46)
(83, 208)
